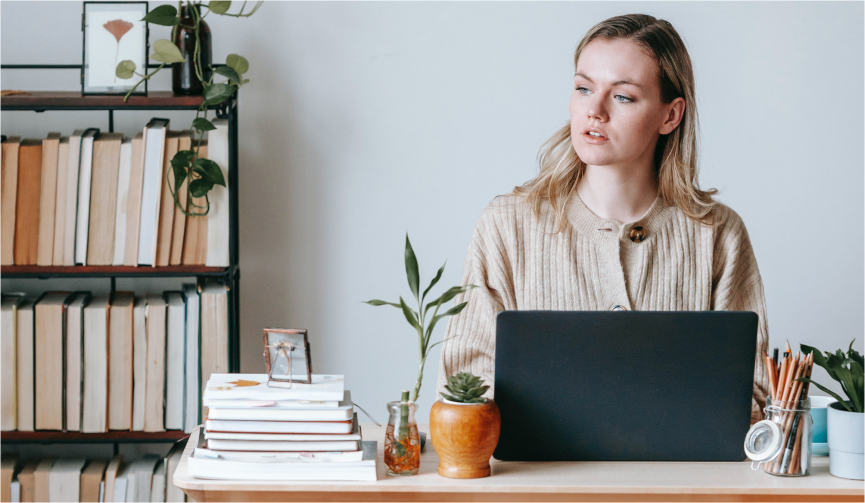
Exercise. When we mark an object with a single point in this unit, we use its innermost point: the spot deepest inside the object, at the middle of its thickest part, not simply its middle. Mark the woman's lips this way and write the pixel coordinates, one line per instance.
(594, 140)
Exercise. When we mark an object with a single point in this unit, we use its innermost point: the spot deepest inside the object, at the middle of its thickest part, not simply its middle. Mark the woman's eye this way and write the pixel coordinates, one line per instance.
(580, 89)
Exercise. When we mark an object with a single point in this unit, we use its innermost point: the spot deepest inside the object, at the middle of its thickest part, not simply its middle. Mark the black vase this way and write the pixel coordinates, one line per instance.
(184, 80)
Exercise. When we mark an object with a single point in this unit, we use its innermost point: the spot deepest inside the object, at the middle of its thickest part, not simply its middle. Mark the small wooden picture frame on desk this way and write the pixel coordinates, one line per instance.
(286, 357)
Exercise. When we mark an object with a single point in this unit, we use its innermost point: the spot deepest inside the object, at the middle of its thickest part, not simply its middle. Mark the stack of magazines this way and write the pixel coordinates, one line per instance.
(254, 431)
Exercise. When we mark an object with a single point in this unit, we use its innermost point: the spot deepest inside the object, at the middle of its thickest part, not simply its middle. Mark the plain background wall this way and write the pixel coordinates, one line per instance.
(364, 121)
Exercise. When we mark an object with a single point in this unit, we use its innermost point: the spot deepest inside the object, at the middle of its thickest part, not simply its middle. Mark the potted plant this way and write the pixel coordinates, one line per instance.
(844, 418)
(400, 442)
(465, 428)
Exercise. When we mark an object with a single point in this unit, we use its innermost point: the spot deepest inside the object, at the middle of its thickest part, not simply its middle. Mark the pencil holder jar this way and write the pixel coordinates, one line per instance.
(782, 441)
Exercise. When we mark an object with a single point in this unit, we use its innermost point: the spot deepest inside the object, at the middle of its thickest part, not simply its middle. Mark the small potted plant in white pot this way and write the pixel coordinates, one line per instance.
(845, 421)
(465, 428)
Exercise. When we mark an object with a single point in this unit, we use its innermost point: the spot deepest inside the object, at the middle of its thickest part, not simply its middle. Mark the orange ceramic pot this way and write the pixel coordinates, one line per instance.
(464, 437)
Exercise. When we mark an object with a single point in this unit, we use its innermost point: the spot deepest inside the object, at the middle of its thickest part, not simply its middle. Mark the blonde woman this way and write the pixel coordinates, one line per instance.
(615, 219)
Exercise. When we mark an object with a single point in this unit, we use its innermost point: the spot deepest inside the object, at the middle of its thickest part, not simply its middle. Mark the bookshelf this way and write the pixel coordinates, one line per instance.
(40, 101)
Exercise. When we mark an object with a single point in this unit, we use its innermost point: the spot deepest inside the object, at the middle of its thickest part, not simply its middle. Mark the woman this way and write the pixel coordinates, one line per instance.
(615, 219)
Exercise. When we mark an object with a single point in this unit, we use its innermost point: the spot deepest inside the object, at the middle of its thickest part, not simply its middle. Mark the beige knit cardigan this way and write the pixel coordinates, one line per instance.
(521, 262)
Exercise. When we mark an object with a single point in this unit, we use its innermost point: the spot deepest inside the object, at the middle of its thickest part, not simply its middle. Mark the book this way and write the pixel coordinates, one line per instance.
(257, 448)
(27, 201)
(195, 241)
(154, 393)
(175, 360)
(121, 484)
(85, 177)
(157, 484)
(75, 360)
(110, 480)
(279, 438)
(91, 479)
(72, 181)
(166, 212)
(8, 198)
(120, 364)
(277, 404)
(15, 491)
(218, 217)
(50, 328)
(122, 202)
(184, 143)
(41, 479)
(94, 407)
(8, 364)
(190, 291)
(365, 469)
(151, 189)
(213, 346)
(172, 460)
(241, 387)
(60, 204)
(64, 479)
(7, 471)
(27, 479)
(139, 363)
(329, 452)
(343, 412)
(133, 209)
(335, 427)
(140, 477)
(25, 361)
(48, 199)
(105, 172)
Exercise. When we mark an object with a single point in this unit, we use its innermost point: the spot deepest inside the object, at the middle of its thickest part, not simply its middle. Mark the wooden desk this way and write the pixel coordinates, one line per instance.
(553, 481)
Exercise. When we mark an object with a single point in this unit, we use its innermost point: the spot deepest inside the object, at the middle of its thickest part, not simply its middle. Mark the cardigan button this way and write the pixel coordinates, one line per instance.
(637, 234)
(618, 307)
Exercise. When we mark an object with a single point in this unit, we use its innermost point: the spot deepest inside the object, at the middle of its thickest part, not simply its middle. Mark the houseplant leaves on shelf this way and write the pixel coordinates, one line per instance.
(186, 166)
(465, 428)
(845, 419)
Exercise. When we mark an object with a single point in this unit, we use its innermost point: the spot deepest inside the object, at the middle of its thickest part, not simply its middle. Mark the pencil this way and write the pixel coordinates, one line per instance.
(770, 366)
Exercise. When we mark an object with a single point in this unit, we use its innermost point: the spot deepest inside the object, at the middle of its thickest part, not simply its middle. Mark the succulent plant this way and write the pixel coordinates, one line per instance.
(465, 387)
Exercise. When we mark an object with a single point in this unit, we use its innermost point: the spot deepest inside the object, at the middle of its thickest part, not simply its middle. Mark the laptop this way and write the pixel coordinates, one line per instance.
(624, 385)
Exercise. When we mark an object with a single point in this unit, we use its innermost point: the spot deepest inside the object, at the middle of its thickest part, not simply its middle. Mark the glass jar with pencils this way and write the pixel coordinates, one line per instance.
(793, 457)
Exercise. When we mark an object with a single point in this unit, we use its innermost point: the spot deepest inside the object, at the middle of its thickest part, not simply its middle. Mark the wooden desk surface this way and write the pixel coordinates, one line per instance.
(532, 481)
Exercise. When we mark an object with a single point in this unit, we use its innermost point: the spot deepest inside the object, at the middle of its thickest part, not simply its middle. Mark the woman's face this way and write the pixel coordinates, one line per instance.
(616, 91)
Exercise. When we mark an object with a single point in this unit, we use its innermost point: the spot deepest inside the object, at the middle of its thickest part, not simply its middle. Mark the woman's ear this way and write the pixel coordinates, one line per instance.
(675, 113)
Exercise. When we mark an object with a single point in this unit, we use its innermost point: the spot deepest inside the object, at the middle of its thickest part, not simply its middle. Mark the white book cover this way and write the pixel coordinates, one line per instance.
(85, 177)
(243, 470)
(122, 201)
(157, 486)
(251, 446)
(143, 470)
(324, 387)
(217, 217)
(120, 484)
(15, 491)
(278, 426)
(175, 359)
(9, 368)
(71, 213)
(286, 437)
(139, 362)
(64, 479)
(26, 342)
(75, 360)
(193, 307)
(94, 411)
(276, 404)
(172, 492)
(348, 451)
(341, 413)
(151, 191)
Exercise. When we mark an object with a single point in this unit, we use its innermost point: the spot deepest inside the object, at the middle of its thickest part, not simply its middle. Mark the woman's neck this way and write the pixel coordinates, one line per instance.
(609, 192)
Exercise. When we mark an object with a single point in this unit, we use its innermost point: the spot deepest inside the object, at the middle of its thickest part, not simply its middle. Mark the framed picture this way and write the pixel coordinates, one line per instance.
(286, 357)
(113, 32)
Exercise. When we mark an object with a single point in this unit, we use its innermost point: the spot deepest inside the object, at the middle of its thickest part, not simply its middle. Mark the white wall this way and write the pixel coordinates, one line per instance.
(366, 120)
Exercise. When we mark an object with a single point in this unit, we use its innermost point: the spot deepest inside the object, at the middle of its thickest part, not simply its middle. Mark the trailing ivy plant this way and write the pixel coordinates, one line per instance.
(201, 174)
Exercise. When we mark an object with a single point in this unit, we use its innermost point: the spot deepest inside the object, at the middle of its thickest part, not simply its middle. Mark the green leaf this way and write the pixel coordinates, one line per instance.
(165, 51)
(451, 398)
(376, 302)
(209, 170)
(219, 7)
(200, 187)
(433, 282)
(448, 295)
(203, 124)
(244, 81)
(227, 71)
(125, 69)
(826, 390)
(410, 315)
(164, 15)
(450, 312)
(238, 62)
(411, 268)
(215, 94)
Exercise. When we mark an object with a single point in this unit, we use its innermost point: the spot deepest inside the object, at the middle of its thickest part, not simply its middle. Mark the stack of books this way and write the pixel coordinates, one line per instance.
(73, 361)
(102, 199)
(254, 431)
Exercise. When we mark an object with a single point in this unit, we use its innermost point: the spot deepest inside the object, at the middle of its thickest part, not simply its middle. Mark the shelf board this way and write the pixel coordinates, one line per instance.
(74, 100)
(74, 437)
(87, 271)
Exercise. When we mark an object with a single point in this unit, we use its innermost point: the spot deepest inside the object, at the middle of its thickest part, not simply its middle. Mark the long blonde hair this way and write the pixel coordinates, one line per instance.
(675, 153)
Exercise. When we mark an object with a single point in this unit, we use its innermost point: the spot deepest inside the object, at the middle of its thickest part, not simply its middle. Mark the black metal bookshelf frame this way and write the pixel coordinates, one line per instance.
(75, 101)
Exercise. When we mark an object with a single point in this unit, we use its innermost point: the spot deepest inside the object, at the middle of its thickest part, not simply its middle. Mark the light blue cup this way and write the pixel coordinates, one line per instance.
(819, 447)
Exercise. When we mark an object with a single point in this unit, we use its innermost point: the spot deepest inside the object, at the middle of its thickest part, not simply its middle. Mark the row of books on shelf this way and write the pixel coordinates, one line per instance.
(94, 363)
(253, 431)
(148, 478)
(103, 199)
